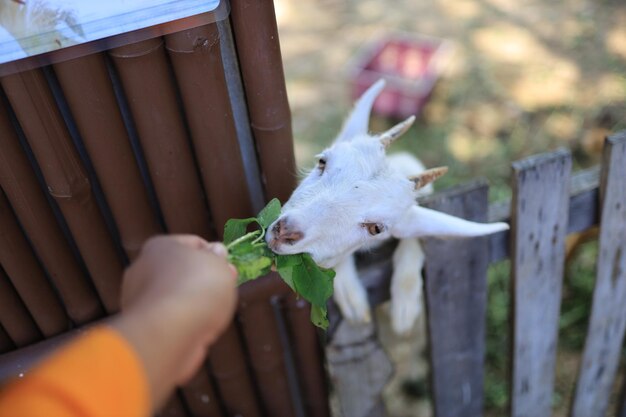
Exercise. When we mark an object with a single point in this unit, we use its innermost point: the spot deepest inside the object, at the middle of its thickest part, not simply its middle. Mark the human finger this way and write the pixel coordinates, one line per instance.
(193, 242)
(218, 249)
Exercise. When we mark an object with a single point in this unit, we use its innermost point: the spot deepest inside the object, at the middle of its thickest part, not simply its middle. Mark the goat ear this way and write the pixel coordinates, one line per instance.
(390, 136)
(423, 179)
(422, 222)
(358, 121)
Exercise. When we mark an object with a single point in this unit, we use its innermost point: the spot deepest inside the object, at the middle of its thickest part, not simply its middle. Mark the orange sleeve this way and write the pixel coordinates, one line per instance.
(98, 375)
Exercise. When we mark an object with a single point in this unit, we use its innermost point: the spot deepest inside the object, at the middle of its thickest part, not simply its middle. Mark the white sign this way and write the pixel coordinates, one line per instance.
(32, 27)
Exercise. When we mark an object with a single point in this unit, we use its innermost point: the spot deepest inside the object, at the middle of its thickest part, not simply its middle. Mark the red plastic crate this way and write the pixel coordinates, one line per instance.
(411, 65)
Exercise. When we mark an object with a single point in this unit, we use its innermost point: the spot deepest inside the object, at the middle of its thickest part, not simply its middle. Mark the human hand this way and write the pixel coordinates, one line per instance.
(184, 273)
(177, 297)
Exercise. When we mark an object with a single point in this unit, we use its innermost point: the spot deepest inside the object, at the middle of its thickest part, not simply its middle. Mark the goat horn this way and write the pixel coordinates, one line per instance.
(357, 122)
(428, 176)
(395, 132)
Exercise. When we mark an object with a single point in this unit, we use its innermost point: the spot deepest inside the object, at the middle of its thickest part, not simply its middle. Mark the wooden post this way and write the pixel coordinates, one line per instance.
(200, 396)
(608, 315)
(359, 369)
(539, 220)
(456, 297)
(173, 407)
(14, 316)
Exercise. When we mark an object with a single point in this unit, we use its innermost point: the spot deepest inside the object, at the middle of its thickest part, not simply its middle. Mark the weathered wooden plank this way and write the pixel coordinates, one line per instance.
(232, 377)
(456, 297)
(265, 350)
(308, 357)
(14, 316)
(359, 369)
(608, 315)
(583, 211)
(27, 276)
(200, 396)
(539, 225)
(6, 344)
(174, 407)
(16, 362)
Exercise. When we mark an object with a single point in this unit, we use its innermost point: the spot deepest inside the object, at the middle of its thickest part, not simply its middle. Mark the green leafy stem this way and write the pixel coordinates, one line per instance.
(249, 253)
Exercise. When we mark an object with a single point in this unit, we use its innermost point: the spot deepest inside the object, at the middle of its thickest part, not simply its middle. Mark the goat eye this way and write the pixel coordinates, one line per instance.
(374, 228)
(321, 165)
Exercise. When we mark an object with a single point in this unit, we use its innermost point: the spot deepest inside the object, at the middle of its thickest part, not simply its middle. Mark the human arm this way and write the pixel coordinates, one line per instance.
(185, 315)
(176, 299)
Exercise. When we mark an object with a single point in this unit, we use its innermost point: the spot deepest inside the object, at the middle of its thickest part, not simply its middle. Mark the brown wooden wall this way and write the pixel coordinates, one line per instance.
(174, 134)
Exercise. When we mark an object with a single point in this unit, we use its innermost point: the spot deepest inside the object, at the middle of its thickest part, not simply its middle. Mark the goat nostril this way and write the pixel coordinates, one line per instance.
(283, 232)
(292, 237)
(278, 226)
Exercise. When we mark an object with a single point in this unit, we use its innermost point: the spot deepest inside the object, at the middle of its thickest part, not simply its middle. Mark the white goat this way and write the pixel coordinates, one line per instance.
(357, 197)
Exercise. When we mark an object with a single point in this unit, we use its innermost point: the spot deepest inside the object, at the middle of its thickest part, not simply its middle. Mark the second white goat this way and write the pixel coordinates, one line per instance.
(357, 197)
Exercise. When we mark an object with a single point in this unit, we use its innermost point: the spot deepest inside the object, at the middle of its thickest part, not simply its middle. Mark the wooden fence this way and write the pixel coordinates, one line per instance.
(548, 204)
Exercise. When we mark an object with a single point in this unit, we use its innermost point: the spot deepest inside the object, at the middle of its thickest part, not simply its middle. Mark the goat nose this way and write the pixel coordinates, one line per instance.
(278, 226)
(284, 232)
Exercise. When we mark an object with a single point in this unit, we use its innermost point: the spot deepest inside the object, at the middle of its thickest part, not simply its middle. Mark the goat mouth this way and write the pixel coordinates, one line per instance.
(282, 247)
(274, 245)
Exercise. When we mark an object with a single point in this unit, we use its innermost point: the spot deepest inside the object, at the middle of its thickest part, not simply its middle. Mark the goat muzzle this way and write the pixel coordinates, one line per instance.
(284, 233)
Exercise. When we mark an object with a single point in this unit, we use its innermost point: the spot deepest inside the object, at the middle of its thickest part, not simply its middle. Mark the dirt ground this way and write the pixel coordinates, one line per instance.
(524, 77)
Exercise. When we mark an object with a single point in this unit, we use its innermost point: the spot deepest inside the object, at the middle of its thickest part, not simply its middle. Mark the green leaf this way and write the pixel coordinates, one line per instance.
(319, 316)
(253, 268)
(284, 267)
(249, 253)
(313, 283)
(269, 214)
(236, 228)
(246, 247)
(286, 273)
(283, 261)
(251, 259)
